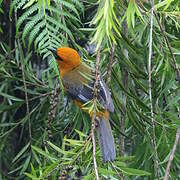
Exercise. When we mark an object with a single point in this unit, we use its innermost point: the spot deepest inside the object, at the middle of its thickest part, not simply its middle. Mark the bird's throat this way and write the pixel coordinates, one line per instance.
(66, 68)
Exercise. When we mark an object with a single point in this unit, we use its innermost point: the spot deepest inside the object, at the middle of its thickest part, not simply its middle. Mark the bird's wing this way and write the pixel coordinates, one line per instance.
(80, 85)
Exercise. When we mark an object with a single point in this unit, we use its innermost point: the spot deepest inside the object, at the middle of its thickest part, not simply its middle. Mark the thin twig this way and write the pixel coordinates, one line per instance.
(124, 74)
(24, 82)
(175, 65)
(94, 145)
(10, 30)
(94, 114)
(110, 66)
(172, 154)
(82, 150)
(150, 92)
(27, 101)
(118, 173)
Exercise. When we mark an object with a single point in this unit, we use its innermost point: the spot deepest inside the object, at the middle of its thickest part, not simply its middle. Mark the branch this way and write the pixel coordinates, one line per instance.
(24, 82)
(94, 113)
(94, 146)
(27, 101)
(110, 66)
(172, 154)
(150, 92)
(175, 65)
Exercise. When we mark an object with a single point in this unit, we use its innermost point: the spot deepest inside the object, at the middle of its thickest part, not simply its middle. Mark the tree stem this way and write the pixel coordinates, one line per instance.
(150, 92)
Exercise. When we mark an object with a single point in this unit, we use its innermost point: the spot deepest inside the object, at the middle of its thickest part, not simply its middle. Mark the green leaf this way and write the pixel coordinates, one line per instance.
(21, 152)
(10, 97)
(106, 171)
(25, 165)
(14, 106)
(134, 172)
(163, 3)
(58, 149)
(47, 155)
(31, 176)
(29, 3)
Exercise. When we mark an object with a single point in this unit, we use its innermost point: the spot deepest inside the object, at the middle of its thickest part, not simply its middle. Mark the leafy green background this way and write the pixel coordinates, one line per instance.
(43, 135)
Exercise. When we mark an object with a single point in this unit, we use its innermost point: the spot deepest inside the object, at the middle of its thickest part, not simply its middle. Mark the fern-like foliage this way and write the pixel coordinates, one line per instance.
(45, 25)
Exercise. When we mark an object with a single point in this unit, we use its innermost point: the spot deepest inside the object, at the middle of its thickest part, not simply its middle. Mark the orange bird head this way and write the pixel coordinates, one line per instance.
(67, 59)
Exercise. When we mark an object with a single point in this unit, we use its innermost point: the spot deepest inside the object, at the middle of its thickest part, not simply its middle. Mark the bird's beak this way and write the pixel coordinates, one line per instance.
(54, 52)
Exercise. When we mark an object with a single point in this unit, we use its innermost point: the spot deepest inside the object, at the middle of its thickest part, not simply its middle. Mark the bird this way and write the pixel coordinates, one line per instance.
(78, 80)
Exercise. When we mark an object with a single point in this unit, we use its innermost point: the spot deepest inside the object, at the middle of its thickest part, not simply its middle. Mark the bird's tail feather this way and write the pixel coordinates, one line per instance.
(106, 140)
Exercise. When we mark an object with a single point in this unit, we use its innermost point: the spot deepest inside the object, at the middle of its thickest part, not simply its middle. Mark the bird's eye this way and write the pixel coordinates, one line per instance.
(59, 59)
